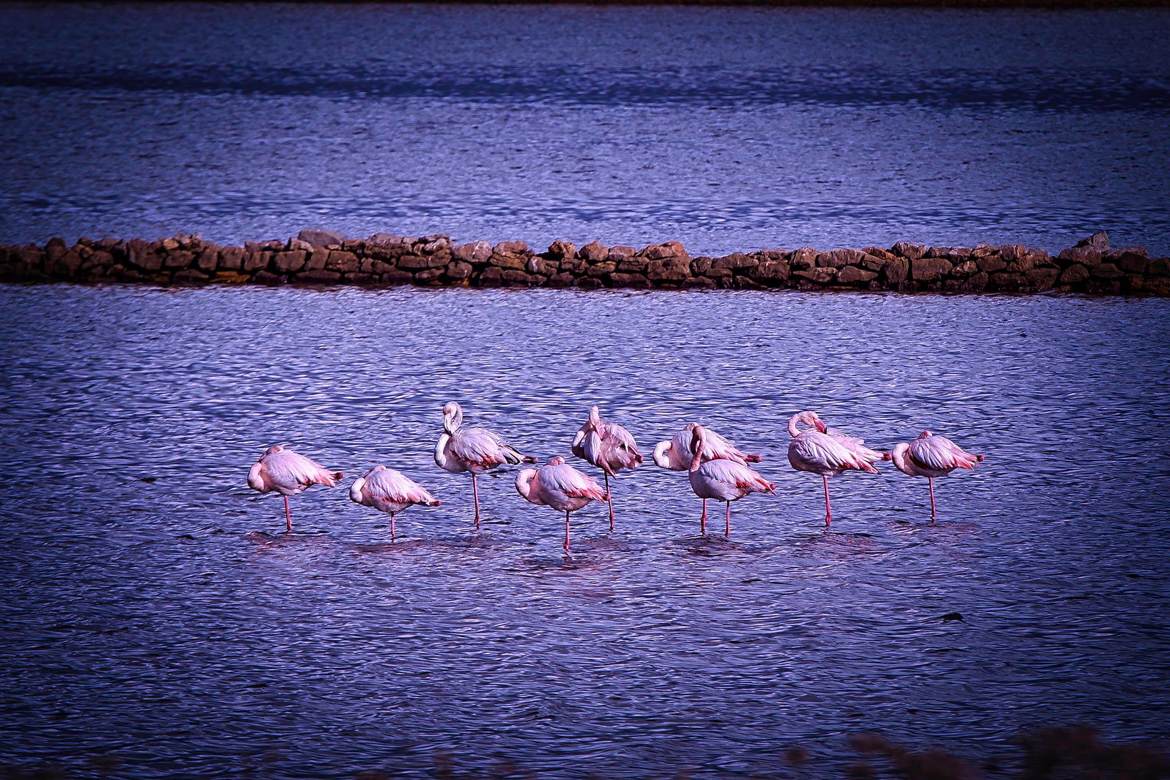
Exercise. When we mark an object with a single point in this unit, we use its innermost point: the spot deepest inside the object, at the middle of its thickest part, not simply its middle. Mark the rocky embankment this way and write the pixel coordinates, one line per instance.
(317, 257)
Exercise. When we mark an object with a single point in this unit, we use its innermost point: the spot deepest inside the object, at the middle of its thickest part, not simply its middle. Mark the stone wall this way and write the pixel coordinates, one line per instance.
(317, 257)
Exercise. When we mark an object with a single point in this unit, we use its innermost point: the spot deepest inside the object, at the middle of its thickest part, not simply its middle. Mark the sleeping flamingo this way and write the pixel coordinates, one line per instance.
(472, 449)
(931, 456)
(608, 446)
(560, 486)
(826, 452)
(389, 491)
(719, 478)
(675, 453)
(288, 473)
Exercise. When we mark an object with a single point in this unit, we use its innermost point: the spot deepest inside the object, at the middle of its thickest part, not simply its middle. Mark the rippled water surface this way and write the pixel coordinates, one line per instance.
(728, 129)
(155, 611)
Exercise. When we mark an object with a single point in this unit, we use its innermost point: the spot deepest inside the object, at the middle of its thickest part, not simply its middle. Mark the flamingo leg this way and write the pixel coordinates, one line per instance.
(393, 530)
(609, 497)
(930, 481)
(727, 522)
(287, 517)
(828, 508)
(567, 533)
(703, 519)
(475, 498)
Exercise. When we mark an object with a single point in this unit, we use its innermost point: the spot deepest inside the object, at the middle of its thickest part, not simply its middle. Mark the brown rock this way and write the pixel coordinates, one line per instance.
(422, 262)
(288, 262)
(700, 283)
(430, 276)
(620, 252)
(178, 259)
(871, 262)
(735, 262)
(929, 269)
(343, 262)
(851, 274)
(268, 278)
(190, 276)
(396, 276)
(511, 248)
(540, 266)
(562, 280)
(458, 270)
(1085, 255)
(977, 282)
(1098, 241)
(560, 249)
(512, 262)
(671, 269)
(629, 280)
(593, 252)
(492, 276)
(255, 260)
(773, 273)
(633, 265)
(990, 263)
(430, 245)
(1042, 278)
(896, 270)
(1074, 274)
(878, 252)
(965, 268)
(1159, 267)
(515, 278)
(231, 277)
(601, 269)
(231, 258)
(317, 277)
(475, 252)
(909, 251)
(388, 239)
(1106, 271)
(1132, 261)
(821, 275)
(664, 250)
(839, 258)
(170, 244)
(316, 237)
(803, 258)
(1158, 285)
(317, 259)
(296, 244)
(589, 283)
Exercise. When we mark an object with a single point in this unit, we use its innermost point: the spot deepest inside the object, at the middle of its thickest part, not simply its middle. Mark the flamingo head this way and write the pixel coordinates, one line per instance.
(524, 485)
(556, 460)
(698, 442)
(661, 459)
(594, 416)
(275, 448)
(452, 416)
(925, 435)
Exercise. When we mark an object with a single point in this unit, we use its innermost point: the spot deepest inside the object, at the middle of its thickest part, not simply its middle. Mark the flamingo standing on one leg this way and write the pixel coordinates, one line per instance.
(826, 452)
(675, 453)
(288, 473)
(560, 486)
(931, 456)
(608, 446)
(389, 491)
(721, 479)
(472, 449)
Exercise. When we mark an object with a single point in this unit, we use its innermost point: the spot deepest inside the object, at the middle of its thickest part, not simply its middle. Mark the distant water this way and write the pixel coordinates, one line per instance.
(726, 128)
(154, 612)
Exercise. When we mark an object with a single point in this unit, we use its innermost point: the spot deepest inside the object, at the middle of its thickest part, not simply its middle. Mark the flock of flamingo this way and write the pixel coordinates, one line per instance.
(717, 469)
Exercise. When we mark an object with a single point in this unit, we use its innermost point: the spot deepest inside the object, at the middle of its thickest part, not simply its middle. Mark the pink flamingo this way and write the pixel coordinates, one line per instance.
(608, 446)
(389, 491)
(472, 449)
(675, 453)
(931, 456)
(560, 486)
(826, 452)
(721, 479)
(288, 473)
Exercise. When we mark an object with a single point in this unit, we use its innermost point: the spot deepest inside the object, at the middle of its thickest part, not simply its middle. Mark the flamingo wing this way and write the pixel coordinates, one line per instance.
(393, 486)
(565, 479)
(824, 451)
(481, 447)
(855, 445)
(732, 473)
(287, 468)
(940, 454)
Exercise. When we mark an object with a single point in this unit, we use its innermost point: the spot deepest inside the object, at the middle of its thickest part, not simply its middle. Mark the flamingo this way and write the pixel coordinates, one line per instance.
(288, 473)
(389, 491)
(931, 456)
(608, 446)
(675, 453)
(560, 486)
(472, 449)
(826, 452)
(720, 478)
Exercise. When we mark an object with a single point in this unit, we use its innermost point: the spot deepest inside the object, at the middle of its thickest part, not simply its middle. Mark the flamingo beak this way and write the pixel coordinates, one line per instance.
(820, 426)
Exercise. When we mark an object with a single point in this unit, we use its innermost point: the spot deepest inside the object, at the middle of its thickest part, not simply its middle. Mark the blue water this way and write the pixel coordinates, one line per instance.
(156, 615)
(728, 129)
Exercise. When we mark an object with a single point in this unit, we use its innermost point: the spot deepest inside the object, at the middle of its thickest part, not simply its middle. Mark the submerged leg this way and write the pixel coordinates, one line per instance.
(393, 530)
(609, 497)
(475, 498)
(828, 508)
(930, 481)
(287, 517)
(727, 521)
(567, 533)
(703, 519)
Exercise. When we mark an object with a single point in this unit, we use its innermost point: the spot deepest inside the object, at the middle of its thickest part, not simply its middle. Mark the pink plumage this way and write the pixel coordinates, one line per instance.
(826, 452)
(931, 456)
(675, 453)
(472, 449)
(286, 472)
(560, 486)
(608, 446)
(389, 491)
(720, 479)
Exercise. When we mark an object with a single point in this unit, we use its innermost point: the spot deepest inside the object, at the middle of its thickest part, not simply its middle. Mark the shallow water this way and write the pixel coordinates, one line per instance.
(726, 128)
(155, 611)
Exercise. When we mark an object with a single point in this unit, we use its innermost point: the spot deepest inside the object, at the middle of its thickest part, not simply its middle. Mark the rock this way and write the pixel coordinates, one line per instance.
(559, 249)
(965, 268)
(851, 274)
(430, 245)
(422, 262)
(540, 266)
(664, 250)
(1007, 281)
(255, 260)
(909, 251)
(458, 270)
(508, 262)
(621, 252)
(589, 283)
(317, 259)
(170, 244)
(296, 244)
(1133, 261)
(593, 252)
(896, 270)
(821, 275)
(990, 263)
(772, 273)
(929, 269)
(231, 258)
(629, 280)
(601, 269)
(516, 278)
(396, 276)
(511, 248)
(633, 265)
(317, 277)
(838, 258)
(952, 616)
(189, 276)
(388, 239)
(1106, 271)
(977, 282)
(430, 276)
(288, 262)
(1159, 267)
(268, 278)
(342, 261)
(562, 280)
(671, 269)
(1085, 255)
(492, 276)
(803, 258)
(208, 258)
(475, 252)
(1042, 278)
(735, 262)
(178, 259)
(142, 255)
(1074, 274)
(1098, 241)
(316, 237)
(700, 283)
